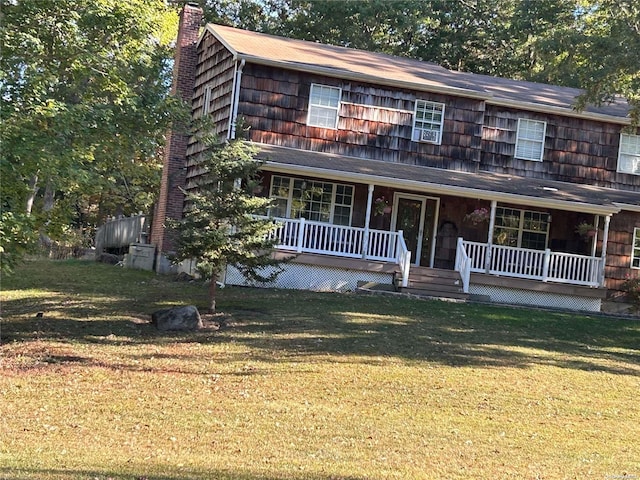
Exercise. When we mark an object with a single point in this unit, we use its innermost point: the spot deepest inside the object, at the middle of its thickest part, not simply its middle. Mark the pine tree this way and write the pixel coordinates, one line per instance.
(220, 226)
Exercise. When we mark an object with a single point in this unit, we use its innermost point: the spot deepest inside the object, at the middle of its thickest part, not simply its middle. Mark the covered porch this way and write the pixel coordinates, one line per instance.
(410, 216)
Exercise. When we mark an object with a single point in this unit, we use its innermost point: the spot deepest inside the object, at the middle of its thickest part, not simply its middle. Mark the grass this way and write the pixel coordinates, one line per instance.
(301, 385)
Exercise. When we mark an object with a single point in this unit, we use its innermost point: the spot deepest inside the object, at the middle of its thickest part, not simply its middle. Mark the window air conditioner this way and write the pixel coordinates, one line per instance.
(429, 135)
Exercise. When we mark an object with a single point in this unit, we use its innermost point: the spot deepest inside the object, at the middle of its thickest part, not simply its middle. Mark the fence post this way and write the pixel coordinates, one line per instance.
(301, 230)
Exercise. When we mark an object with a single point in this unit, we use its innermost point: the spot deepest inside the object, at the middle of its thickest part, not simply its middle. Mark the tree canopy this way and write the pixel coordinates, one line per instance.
(84, 103)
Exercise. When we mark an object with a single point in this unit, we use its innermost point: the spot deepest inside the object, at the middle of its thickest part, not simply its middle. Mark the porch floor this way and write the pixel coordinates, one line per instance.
(337, 262)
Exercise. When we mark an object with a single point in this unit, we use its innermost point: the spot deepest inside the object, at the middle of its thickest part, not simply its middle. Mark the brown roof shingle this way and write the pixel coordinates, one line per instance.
(345, 62)
(486, 185)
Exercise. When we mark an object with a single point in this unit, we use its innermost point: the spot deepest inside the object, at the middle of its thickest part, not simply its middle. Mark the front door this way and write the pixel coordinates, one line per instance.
(416, 217)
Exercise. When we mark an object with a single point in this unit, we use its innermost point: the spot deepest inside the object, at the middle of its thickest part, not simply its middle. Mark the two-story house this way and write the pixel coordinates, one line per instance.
(392, 170)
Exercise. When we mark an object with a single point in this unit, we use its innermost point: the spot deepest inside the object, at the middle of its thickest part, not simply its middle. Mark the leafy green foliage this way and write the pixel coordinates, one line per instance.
(219, 226)
(84, 100)
(17, 238)
(632, 288)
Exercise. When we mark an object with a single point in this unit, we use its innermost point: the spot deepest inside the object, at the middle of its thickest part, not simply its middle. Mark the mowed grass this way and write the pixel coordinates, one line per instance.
(301, 385)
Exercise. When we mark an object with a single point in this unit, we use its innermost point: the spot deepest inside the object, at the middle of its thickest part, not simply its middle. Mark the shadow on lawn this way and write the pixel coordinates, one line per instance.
(279, 325)
(69, 474)
(371, 329)
(462, 335)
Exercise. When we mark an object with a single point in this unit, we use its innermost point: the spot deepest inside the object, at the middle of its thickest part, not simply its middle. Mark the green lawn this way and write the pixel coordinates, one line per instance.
(301, 385)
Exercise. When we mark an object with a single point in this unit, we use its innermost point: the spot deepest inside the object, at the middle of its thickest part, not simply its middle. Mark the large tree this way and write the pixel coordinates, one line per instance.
(84, 104)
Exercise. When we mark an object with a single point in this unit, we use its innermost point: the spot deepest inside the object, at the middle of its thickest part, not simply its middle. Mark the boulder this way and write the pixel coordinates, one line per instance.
(184, 319)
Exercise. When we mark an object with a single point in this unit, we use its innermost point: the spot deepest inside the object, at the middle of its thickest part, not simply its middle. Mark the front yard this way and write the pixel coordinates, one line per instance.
(300, 385)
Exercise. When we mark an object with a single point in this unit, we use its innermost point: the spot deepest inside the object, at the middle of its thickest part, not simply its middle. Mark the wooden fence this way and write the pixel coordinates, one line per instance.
(121, 232)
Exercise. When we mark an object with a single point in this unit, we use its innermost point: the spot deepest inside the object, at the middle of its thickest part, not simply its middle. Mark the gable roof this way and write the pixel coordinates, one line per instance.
(379, 68)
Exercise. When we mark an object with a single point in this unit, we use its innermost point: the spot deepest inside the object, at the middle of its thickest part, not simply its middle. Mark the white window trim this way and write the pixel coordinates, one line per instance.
(333, 196)
(634, 154)
(337, 108)
(415, 119)
(520, 228)
(636, 235)
(544, 136)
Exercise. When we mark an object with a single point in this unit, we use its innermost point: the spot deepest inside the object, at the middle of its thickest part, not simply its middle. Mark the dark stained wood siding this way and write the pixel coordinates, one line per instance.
(215, 70)
(375, 122)
(619, 246)
(576, 150)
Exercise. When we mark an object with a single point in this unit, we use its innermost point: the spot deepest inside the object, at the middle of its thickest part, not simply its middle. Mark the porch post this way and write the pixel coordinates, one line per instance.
(492, 222)
(603, 255)
(367, 219)
(594, 240)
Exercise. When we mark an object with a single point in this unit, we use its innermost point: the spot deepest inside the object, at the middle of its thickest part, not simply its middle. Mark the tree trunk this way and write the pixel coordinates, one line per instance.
(49, 201)
(213, 286)
(49, 196)
(33, 190)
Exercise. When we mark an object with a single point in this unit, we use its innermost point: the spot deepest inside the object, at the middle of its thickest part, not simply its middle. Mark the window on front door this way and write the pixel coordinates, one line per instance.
(635, 250)
(521, 228)
(312, 200)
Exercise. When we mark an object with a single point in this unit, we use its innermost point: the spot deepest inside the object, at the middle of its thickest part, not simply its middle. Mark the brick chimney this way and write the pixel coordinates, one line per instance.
(170, 200)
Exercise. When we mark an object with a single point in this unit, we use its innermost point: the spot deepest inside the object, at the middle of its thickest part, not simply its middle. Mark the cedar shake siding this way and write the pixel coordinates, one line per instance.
(619, 245)
(375, 122)
(575, 150)
(215, 72)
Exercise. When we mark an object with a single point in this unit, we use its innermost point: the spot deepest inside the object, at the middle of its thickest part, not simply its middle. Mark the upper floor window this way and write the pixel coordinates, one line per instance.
(428, 121)
(629, 156)
(521, 228)
(530, 139)
(313, 200)
(324, 103)
(635, 249)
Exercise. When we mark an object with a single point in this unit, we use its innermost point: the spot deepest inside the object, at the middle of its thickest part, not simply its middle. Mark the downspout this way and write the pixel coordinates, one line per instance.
(235, 100)
(605, 239)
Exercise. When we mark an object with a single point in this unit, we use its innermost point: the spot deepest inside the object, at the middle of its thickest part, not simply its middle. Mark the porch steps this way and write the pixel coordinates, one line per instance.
(435, 282)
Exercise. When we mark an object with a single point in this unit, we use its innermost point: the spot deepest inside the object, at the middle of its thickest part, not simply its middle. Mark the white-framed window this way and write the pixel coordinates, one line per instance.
(635, 249)
(530, 139)
(324, 103)
(428, 120)
(629, 155)
(311, 199)
(206, 103)
(521, 228)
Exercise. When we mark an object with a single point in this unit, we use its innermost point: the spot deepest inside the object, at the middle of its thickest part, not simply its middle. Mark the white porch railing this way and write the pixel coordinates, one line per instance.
(304, 236)
(542, 265)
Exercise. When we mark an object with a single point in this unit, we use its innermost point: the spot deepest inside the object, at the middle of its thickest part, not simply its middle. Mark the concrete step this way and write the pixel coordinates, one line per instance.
(435, 294)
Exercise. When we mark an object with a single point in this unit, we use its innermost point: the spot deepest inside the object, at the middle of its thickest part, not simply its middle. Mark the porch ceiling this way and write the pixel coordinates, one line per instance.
(482, 185)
